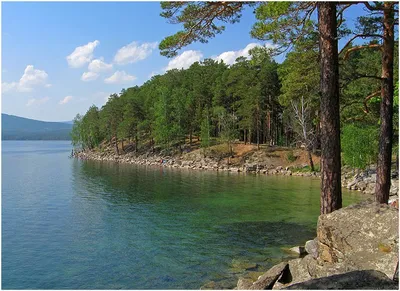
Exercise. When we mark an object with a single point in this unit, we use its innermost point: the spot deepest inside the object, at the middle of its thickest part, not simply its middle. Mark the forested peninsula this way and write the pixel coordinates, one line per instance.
(216, 108)
(328, 101)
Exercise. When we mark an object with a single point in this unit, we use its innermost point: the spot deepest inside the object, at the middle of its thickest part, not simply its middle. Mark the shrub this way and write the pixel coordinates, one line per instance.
(291, 157)
(359, 145)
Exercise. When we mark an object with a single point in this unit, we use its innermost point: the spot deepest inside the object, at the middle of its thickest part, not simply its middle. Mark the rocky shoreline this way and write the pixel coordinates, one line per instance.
(363, 181)
(357, 247)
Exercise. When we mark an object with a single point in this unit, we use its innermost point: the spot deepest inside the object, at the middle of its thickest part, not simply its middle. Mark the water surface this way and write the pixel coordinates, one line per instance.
(69, 224)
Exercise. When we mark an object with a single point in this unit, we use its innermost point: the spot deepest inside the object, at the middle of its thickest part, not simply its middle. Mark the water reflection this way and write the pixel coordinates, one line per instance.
(188, 226)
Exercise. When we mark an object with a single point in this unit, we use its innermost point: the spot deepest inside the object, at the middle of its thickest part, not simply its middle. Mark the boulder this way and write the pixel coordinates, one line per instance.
(366, 279)
(298, 270)
(244, 283)
(311, 247)
(363, 235)
(267, 280)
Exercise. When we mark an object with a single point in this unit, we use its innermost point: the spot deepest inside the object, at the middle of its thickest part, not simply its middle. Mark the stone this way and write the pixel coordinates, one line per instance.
(351, 184)
(311, 247)
(209, 286)
(355, 280)
(267, 280)
(362, 186)
(239, 265)
(298, 250)
(363, 235)
(244, 283)
(298, 271)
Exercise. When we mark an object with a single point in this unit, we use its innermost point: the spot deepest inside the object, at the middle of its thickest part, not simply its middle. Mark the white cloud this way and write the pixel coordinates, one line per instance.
(7, 87)
(98, 66)
(134, 52)
(82, 54)
(119, 77)
(89, 76)
(30, 79)
(35, 101)
(66, 100)
(230, 57)
(184, 60)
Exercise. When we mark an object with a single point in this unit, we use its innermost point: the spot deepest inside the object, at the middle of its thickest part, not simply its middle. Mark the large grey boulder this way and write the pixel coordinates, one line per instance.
(355, 280)
(364, 236)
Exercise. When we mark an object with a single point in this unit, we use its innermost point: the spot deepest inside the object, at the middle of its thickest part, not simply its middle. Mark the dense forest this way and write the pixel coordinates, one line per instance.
(256, 100)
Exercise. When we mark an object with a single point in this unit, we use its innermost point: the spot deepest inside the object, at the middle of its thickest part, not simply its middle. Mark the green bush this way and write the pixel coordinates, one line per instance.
(359, 145)
(291, 157)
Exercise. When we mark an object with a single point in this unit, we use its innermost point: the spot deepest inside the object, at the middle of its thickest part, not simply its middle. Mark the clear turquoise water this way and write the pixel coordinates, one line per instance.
(69, 224)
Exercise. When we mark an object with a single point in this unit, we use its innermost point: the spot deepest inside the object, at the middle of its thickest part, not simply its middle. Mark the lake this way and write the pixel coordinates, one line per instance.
(70, 224)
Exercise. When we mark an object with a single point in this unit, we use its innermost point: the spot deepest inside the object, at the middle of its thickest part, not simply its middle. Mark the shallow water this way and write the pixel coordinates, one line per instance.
(69, 224)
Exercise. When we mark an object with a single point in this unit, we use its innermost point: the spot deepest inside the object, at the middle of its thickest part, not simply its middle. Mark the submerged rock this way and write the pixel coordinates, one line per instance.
(245, 265)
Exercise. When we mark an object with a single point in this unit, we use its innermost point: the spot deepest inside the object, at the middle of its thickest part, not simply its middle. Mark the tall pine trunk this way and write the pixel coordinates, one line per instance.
(386, 111)
(331, 192)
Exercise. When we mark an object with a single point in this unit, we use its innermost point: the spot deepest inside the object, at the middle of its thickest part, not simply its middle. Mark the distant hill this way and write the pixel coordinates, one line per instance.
(19, 128)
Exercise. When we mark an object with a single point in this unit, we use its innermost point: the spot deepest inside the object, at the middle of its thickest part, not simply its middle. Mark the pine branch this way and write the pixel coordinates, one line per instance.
(357, 48)
(376, 93)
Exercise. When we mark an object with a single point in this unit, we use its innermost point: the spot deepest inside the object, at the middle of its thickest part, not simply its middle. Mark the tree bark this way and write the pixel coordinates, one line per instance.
(311, 161)
(331, 192)
(136, 143)
(116, 145)
(386, 110)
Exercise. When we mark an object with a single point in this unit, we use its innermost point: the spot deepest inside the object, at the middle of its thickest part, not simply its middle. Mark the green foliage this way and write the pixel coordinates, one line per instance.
(205, 131)
(283, 23)
(306, 169)
(219, 151)
(229, 129)
(199, 20)
(359, 145)
(291, 157)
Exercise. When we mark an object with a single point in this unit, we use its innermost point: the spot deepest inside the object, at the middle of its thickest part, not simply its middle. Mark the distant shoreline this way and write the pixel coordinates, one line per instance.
(35, 139)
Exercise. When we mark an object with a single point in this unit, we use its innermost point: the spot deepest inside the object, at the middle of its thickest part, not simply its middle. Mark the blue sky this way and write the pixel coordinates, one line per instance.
(59, 58)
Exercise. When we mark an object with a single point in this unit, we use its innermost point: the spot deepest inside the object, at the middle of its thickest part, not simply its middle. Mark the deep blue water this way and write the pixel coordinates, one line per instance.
(69, 224)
